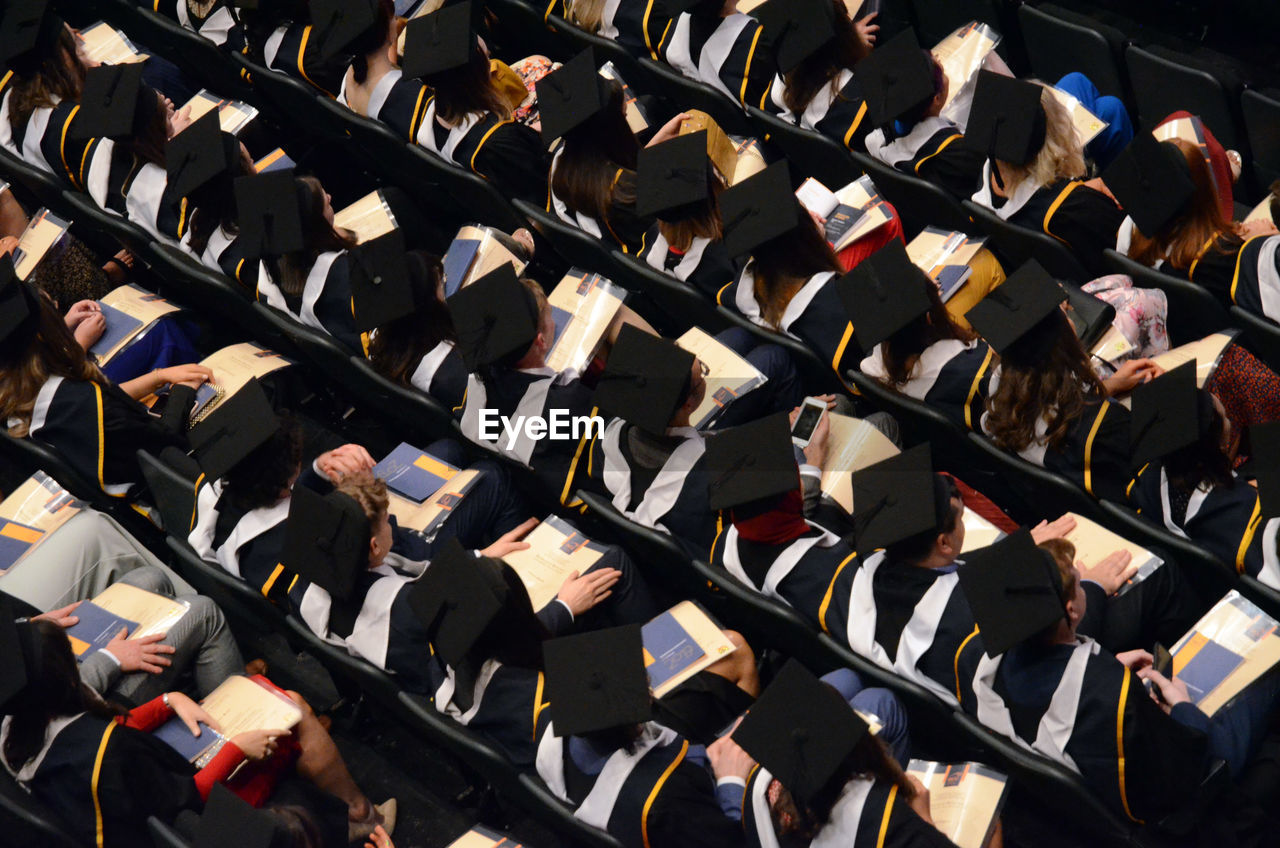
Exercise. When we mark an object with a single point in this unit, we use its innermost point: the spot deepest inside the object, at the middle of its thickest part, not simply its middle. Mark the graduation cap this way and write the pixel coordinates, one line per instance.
(1016, 307)
(227, 820)
(1014, 590)
(751, 462)
(495, 318)
(457, 598)
(672, 176)
(337, 23)
(801, 730)
(29, 32)
(1007, 120)
(326, 540)
(1152, 182)
(758, 209)
(114, 102)
(645, 380)
(198, 154)
(796, 28)
(1264, 439)
(597, 680)
(236, 428)
(19, 309)
(1165, 415)
(380, 281)
(570, 96)
(13, 664)
(269, 211)
(438, 42)
(896, 78)
(895, 499)
(884, 293)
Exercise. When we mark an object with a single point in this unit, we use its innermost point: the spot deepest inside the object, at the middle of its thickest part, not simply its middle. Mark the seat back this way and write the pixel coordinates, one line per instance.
(683, 305)
(809, 153)
(919, 202)
(1015, 245)
(1261, 335)
(1059, 43)
(917, 422)
(27, 821)
(165, 836)
(1162, 85)
(173, 492)
(1193, 311)
(1262, 124)
(413, 411)
(692, 94)
(1028, 487)
(575, 246)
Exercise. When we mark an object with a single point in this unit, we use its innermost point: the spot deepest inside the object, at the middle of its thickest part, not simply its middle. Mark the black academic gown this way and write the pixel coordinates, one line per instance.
(934, 150)
(621, 224)
(950, 376)
(508, 154)
(398, 102)
(838, 111)
(1246, 274)
(294, 49)
(228, 253)
(705, 265)
(217, 22)
(729, 54)
(325, 303)
(442, 374)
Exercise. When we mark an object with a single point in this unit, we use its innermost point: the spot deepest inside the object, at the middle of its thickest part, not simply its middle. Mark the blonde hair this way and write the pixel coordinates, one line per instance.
(586, 14)
(1061, 157)
(368, 491)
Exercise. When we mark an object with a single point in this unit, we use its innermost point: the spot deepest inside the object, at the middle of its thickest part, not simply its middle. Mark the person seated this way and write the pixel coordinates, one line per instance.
(308, 41)
(592, 179)
(712, 42)
(1118, 132)
(1034, 176)
(466, 119)
(1186, 482)
(860, 796)
(907, 90)
(1182, 230)
(1033, 672)
(103, 770)
(51, 393)
(213, 231)
(44, 71)
(636, 25)
(216, 21)
(374, 85)
(816, 87)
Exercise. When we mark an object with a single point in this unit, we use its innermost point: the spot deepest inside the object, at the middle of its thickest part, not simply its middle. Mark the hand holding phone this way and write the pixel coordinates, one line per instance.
(811, 412)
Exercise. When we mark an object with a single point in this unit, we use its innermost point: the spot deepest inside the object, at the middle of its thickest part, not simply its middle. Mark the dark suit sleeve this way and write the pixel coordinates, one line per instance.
(687, 813)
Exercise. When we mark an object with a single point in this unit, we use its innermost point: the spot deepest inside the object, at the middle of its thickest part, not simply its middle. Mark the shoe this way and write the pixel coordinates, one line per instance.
(258, 666)
(379, 814)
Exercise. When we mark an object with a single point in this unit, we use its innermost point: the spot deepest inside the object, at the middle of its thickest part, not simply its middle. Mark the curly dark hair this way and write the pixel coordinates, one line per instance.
(257, 480)
(1204, 462)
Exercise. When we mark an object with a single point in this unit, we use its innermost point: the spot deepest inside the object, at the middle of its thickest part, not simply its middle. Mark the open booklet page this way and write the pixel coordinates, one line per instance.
(233, 115)
(852, 444)
(1112, 347)
(1206, 353)
(583, 306)
(474, 252)
(29, 514)
(1095, 543)
(962, 53)
(423, 490)
(679, 643)
(556, 550)
(1232, 646)
(850, 213)
(238, 705)
(233, 366)
(978, 531)
(750, 159)
(728, 375)
(945, 257)
(480, 836)
(42, 233)
(104, 44)
(128, 311)
(1087, 125)
(964, 799)
(369, 217)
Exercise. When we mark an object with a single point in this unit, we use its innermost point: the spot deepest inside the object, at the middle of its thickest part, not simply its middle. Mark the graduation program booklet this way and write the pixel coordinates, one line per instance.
(233, 366)
(233, 115)
(852, 444)
(850, 213)
(474, 252)
(118, 606)
(239, 705)
(978, 531)
(1261, 212)
(945, 257)
(1206, 353)
(679, 643)
(480, 836)
(556, 550)
(44, 231)
(423, 490)
(369, 217)
(129, 311)
(722, 152)
(1095, 543)
(29, 514)
(107, 45)
(1232, 646)
(1087, 125)
(276, 160)
(964, 799)
(962, 53)
(750, 159)
(727, 374)
(636, 118)
(587, 304)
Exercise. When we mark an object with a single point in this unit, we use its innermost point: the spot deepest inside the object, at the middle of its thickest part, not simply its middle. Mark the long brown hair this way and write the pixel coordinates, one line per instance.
(587, 175)
(398, 347)
(700, 220)
(782, 265)
(61, 77)
(215, 201)
(468, 89)
(1181, 240)
(1203, 463)
(803, 82)
(1055, 385)
(899, 352)
(320, 237)
(53, 353)
(375, 39)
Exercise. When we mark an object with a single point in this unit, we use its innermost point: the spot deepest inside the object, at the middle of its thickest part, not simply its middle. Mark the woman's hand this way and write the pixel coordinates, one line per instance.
(1249, 229)
(728, 759)
(1172, 692)
(145, 654)
(344, 460)
(510, 541)
(257, 744)
(867, 30)
(1055, 529)
(1111, 571)
(1131, 374)
(669, 130)
(1135, 661)
(580, 594)
(8, 244)
(379, 839)
(190, 712)
(80, 311)
(89, 330)
(920, 799)
(193, 375)
(179, 120)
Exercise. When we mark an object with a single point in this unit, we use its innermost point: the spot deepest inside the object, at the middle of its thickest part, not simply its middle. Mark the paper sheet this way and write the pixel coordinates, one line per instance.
(1087, 125)
(720, 150)
(369, 217)
(727, 376)
(154, 613)
(978, 531)
(1261, 212)
(1095, 543)
(556, 550)
(482, 837)
(964, 799)
(750, 160)
(427, 516)
(962, 53)
(593, 301)
(636, 119)
(234, 366)
(233, 115)
(41, 234)
(240, 704)
(853, 444)
(104, 43)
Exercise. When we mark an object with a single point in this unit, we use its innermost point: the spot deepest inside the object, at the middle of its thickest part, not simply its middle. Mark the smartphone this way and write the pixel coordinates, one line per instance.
(811, 412)
(1162, 660)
